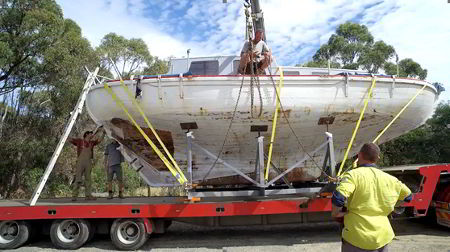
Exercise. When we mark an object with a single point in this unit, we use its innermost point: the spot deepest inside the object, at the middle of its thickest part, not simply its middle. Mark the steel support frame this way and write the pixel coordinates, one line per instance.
(225, 164)
(189, 137)
(259, 168)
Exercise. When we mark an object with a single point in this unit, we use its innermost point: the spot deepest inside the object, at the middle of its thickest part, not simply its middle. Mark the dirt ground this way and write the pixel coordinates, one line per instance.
(412, 235)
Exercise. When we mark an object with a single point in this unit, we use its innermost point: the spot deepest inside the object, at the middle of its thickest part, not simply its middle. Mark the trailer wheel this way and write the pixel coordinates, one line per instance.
(128, 234)
(14, 234)
(92, 230)
(69, 233)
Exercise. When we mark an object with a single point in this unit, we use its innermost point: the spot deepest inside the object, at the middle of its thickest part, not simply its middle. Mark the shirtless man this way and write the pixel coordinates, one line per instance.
(260, 54)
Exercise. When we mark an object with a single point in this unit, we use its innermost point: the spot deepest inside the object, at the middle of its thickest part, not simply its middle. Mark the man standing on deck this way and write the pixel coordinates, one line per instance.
(113, 160)
(85, 152)
(369, 195)
(259, 54)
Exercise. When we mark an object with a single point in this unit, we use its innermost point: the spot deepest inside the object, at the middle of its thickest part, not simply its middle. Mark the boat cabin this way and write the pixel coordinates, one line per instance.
(228, 65)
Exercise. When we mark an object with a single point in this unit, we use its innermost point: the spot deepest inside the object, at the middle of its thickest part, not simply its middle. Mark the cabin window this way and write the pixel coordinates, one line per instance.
(319, 73)
(209, 67)
(291, 73)
(235, 66)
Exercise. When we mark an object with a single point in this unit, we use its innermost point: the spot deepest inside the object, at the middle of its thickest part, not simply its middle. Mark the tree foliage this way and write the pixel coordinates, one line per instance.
(423, 145)
(375, 57)
(346, 46)
(42, 60)
(353, 47)
(406, 68)
(42, 71)
(320, 63)
(129, 55)
(27, 29)
(157, 66)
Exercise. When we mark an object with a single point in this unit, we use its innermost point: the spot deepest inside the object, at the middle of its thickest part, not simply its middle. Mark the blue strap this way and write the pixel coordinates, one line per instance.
(338, 199)
(408, 198)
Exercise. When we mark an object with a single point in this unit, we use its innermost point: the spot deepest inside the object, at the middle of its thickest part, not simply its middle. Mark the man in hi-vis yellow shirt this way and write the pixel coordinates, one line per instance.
(369, 195)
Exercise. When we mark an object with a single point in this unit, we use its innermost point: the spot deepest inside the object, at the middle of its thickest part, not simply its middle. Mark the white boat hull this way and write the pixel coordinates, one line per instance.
(211, 101)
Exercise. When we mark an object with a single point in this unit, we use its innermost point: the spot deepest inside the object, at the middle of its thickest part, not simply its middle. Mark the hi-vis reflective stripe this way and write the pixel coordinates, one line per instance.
(130, 95)
(274, 124)
(155, 149)
(366, 102)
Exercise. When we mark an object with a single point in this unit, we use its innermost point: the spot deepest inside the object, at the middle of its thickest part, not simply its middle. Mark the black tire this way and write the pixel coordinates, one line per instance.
(69, 233)
(92, 229)
(14, 234)
(128, 234)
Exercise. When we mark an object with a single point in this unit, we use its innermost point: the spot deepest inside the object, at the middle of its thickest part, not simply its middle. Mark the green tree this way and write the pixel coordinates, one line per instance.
(346, 46)
(423, 145)
(406, 68)
(376, 56)
(320, 63)
(353, 47)
(27, 29)
(42, 70)
(129, 55)
(157, 67)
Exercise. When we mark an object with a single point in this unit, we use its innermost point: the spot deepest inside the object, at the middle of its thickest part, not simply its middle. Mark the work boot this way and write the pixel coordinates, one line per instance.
(121, 194)
(110, 195)
(90, 197)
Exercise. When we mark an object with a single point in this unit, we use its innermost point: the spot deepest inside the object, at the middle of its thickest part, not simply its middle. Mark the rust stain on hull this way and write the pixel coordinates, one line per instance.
(134, 140)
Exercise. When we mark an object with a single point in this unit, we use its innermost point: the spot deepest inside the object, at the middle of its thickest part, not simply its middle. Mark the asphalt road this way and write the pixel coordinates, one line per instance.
(411, 236)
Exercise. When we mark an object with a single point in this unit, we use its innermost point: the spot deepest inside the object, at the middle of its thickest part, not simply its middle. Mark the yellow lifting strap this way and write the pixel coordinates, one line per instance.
(154, 147)
(274, 123)
(361, 115)
(135, 103)
(393, 120)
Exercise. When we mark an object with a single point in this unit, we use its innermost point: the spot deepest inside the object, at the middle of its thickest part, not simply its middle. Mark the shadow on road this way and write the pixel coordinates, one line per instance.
(188, 236)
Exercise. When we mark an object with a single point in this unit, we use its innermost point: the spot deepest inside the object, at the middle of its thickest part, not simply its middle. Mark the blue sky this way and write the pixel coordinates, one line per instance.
(418, 29)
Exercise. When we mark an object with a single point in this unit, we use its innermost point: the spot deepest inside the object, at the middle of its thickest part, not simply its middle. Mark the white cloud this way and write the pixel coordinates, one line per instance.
(420, 30)
(126, 18)
(417, 29)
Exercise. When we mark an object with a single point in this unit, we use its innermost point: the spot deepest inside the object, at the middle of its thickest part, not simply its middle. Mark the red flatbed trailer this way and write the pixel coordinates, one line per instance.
(129, 221)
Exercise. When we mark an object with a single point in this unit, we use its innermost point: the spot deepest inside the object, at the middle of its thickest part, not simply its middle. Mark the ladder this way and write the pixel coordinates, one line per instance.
(77, 110)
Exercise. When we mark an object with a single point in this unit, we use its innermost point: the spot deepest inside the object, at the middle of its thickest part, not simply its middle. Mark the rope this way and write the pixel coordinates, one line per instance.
(366, 102)
(155, 149)
(254, 80)
(290, 126)
(258, 85)
(229, 127)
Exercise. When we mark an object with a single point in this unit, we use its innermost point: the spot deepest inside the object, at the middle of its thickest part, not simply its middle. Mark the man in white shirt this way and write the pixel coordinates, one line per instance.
(259, 54)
